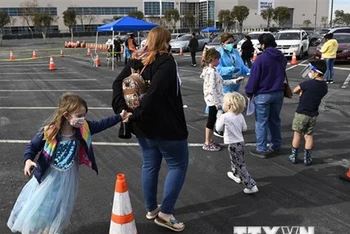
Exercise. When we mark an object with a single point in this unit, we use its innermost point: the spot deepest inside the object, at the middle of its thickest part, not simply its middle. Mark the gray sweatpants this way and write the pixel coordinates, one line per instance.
(238, 166)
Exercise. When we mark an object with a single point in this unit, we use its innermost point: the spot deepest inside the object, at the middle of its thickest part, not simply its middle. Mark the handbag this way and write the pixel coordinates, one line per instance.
(287, 90)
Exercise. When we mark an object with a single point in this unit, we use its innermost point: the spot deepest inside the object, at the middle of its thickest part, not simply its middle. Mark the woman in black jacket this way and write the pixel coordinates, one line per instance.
(159, 125)
(247, 51)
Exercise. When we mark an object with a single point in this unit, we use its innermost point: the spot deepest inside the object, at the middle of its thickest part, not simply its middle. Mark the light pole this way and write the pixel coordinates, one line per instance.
(331, 21)
(316, 14)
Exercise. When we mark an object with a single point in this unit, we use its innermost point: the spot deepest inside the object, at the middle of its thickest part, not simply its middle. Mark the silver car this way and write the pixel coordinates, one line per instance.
(184, 40)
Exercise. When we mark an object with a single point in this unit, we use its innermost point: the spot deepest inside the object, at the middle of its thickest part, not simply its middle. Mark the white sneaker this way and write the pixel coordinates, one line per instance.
(233, 177)
(251, 190)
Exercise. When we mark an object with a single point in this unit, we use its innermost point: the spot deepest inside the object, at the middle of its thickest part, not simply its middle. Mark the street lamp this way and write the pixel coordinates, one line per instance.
(316, 14)
(331, 21)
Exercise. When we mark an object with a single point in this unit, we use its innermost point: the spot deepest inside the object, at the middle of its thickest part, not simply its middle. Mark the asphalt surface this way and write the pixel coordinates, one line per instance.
(290, 195)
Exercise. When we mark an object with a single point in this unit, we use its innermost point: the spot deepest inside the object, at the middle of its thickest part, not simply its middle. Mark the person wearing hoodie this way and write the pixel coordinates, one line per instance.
(266, 86)
(329, 53)
(247, 51)
(159, 125)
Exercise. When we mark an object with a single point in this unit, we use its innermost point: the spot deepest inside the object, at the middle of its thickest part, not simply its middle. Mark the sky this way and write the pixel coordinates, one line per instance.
(341, 5)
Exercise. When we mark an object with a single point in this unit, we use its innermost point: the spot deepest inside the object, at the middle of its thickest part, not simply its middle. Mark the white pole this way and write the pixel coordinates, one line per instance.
(96, 42)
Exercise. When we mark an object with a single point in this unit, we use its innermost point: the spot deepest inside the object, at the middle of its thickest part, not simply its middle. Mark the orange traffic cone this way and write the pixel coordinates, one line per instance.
(294, 59)
(181, 52)
(97, 61)
(12, 57)
(122, 219)
(61, 53)
(255, 55)
(52, 64)
(345, 176)
(34, 55)
(88, 52)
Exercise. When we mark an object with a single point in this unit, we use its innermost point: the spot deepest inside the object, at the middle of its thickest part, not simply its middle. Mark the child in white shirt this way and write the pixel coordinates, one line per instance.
(233, 124)
(213, 96)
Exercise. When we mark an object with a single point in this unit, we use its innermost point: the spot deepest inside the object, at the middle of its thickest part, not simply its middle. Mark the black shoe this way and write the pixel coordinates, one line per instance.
(219, 134)
(259, 154)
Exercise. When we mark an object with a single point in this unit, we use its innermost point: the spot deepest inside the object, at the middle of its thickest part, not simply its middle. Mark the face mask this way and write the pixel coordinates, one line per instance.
(77, 122)
(310, 75)
(228, 47)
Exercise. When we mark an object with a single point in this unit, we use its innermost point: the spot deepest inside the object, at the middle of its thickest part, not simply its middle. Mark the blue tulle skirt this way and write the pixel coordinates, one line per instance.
(46, 208)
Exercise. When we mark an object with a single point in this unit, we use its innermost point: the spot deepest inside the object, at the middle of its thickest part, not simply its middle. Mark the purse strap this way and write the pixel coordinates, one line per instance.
(285, 74)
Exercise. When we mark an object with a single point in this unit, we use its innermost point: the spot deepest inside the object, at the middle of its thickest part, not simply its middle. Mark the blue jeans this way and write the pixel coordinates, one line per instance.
(267, 120)
(175, 154)
(329, 73)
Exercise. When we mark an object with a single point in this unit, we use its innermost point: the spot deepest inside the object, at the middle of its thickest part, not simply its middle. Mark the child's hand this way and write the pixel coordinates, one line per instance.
(125, 115)
(29, 167)
(240, 79)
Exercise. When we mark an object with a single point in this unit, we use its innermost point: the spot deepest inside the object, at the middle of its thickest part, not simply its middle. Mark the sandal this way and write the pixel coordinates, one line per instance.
(153, 214)
(173, 224)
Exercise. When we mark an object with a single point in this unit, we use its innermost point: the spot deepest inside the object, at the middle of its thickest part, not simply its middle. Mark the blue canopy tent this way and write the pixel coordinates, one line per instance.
(210, 29)
(126, 23)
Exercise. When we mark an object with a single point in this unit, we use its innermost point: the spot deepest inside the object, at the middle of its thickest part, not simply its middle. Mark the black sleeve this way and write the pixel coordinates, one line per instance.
(118, 102)
(190, 44)
(244, 45)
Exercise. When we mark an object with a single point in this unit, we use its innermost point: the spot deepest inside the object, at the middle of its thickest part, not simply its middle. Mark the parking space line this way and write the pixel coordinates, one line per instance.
(346, 82)
(51, 80)
(107, 143)
(56, 90)
(45, 108)
(37, 73)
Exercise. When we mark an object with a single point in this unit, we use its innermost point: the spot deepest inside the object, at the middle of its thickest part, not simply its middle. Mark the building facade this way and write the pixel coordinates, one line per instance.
(203, 13)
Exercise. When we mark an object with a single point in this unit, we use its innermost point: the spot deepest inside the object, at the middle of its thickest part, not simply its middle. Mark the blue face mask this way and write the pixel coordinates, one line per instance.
(228, 47)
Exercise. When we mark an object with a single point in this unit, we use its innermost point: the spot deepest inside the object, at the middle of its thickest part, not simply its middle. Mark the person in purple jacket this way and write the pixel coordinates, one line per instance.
(266, 86)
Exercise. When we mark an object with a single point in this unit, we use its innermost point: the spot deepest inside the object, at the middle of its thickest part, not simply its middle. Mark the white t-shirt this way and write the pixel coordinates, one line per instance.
(233, 126)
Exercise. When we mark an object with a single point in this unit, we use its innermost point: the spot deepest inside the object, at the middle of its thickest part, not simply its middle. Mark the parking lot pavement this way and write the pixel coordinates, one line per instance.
(290, 195)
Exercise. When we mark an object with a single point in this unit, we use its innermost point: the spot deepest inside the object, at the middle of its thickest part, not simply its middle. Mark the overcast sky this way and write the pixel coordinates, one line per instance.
(341, 5)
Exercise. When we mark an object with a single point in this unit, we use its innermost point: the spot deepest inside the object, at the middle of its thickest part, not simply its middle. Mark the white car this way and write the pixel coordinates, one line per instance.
(290, 41)
(254, 38)
(174, 36)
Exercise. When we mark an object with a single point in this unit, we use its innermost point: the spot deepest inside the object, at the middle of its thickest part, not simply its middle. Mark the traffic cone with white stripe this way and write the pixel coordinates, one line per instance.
(97, 61)
(122, 219)
(12, 57)
(181, 52)
(294, 59)
(88, 52)
(52, 65)
(34, 55)
(255, 55)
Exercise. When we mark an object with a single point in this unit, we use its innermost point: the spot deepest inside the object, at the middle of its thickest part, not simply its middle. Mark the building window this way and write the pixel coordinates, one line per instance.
(18, 11)
(152, 8)
(103, 10)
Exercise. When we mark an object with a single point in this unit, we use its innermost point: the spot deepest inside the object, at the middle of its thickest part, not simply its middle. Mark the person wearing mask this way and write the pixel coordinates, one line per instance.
(159, 125)
(193, 45)
(329, 53)
(247, 51)
(266, 86)
(231, 65)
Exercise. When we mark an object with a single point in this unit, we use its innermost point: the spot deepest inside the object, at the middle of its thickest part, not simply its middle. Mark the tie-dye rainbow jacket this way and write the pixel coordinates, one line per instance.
(47, 148)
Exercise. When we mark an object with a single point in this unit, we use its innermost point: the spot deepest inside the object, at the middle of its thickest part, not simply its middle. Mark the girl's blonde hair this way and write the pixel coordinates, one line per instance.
(157, 40)
(236, 101)
(69, 103)
(210, 55)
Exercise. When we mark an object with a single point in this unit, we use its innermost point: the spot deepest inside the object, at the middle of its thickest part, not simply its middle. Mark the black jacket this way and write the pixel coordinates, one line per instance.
(160, 114)
(247, 49)
(193, 45)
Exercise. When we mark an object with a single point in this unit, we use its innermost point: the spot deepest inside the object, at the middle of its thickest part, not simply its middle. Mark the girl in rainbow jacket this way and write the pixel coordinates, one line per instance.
(46, 202)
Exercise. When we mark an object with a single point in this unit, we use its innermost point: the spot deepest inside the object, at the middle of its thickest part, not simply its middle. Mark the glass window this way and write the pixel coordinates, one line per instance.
(152, 8)
(288, 36)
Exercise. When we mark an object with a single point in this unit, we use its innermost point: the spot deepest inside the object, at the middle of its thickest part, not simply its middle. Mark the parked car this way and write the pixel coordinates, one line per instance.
(183, 41)
(254, 38)
(290, 41)
(339, 30)
(343, 52)
(216, 41)
(174, 36)
(314, 38)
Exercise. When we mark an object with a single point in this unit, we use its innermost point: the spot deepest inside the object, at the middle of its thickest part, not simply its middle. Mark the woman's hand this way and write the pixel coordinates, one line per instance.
(29, 167)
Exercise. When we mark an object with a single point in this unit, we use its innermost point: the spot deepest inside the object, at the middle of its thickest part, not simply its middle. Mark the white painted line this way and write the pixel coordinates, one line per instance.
(51, 80)
(346, 82)
(36, 73)
(107, 143)
(57, 90)
(45, 108)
